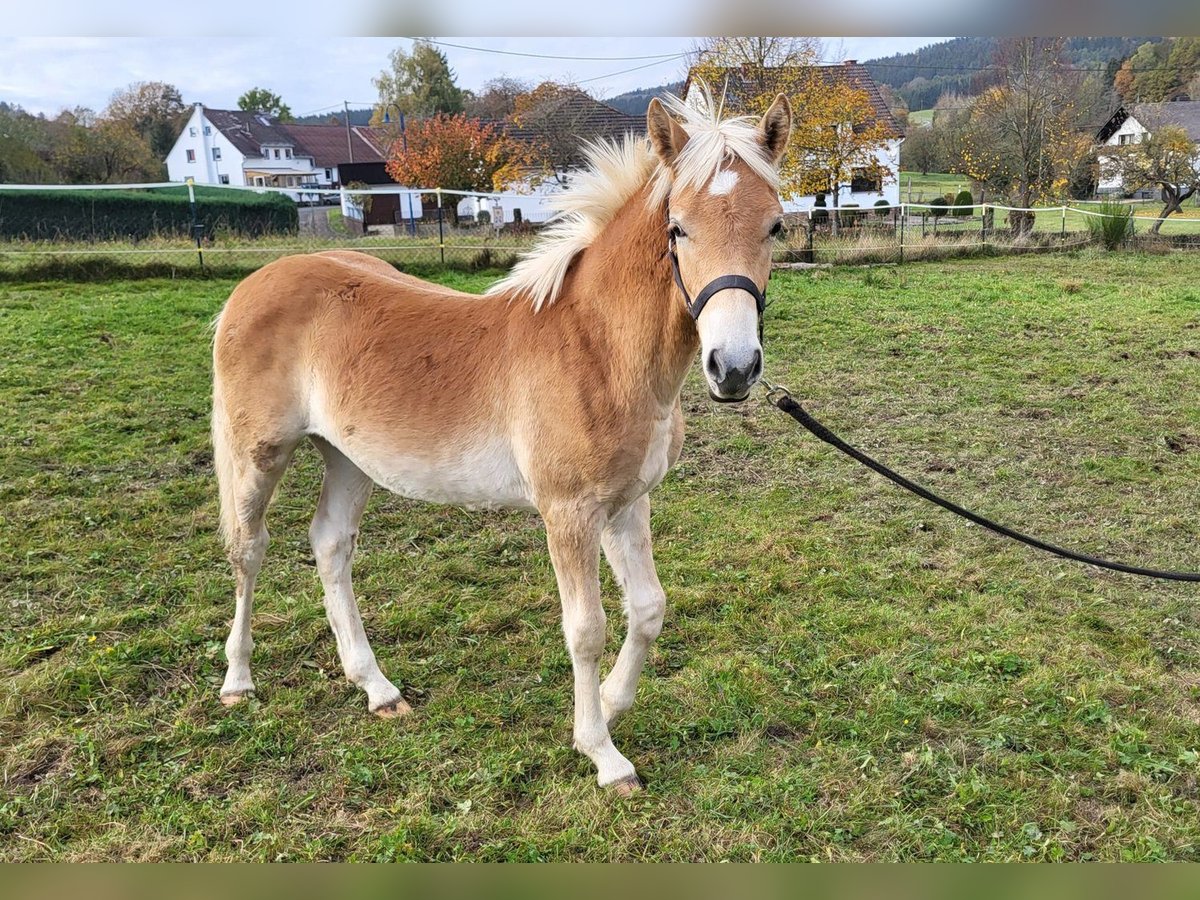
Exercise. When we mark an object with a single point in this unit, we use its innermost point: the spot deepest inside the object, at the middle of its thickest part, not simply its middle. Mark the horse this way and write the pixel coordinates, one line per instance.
(557, 391)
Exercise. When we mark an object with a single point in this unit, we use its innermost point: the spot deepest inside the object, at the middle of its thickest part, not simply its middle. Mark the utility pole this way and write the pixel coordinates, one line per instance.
(349, 144)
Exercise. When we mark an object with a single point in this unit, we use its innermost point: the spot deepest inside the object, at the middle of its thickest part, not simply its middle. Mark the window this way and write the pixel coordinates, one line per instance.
(191, 156)
(216, 153)
(224, 179)
(207, 129)
(287, 153)
(277, 153)
(329, 174)
(865, 180)
(191, 132)
(258, 181)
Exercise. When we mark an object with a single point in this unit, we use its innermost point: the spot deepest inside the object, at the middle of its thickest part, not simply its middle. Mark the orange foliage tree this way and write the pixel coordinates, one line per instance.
(456, 152)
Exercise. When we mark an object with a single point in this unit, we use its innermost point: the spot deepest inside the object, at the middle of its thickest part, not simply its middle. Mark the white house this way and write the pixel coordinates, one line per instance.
(223, 146)
(1131, 125)
(860, 186)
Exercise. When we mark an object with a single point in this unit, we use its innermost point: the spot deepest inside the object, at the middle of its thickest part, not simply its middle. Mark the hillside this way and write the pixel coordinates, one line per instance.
(635, 102)
(960, 64)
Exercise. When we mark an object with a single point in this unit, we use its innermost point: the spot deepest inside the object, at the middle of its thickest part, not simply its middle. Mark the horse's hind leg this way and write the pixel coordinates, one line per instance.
(333, 534)
(246, 491)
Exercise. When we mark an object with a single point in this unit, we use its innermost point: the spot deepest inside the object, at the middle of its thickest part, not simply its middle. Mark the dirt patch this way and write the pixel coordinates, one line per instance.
(49, 761)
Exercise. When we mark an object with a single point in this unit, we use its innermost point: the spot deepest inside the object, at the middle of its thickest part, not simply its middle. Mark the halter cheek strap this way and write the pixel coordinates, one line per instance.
(718, 284)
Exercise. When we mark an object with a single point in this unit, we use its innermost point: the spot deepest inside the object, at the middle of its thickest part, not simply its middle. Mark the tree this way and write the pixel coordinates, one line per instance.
(558, 118)
(836, 135)
(1165, 157)
(498, 99)
(420, 83)
(920, 151)
(153, 109)
(1021, 140)
(24, 147)
(457, 153)
(104, 152)
(267, 102)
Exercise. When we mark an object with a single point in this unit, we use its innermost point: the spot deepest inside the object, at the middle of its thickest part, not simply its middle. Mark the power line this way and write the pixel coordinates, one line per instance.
(664, 57)
(634, 69)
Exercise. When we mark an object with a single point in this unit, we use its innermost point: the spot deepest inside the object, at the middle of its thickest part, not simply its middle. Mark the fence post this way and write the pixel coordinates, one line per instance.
(812, 258)
(1064, 225)
(441, 234)
(191, 185)
(903, 216)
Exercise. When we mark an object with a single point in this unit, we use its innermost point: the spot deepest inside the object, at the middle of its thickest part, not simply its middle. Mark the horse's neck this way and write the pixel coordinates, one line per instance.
(625, 279)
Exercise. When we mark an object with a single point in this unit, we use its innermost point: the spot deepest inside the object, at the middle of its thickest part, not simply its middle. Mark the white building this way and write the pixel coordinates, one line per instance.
(1131, 125)
(859, 186)
(222, 146)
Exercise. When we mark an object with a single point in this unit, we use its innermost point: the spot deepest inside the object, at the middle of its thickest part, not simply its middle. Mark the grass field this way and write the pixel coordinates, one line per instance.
(845, 673)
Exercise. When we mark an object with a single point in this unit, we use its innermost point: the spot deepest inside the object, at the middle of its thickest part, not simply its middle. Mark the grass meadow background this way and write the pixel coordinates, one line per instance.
(845, 673)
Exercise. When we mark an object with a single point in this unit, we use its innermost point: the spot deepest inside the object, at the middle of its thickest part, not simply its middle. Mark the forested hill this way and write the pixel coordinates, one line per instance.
(922, 76)
(635, 102)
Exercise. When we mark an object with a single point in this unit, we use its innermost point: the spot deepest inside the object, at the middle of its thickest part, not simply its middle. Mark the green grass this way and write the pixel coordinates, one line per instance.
(845, 672)
(918, 188)
(921, 117)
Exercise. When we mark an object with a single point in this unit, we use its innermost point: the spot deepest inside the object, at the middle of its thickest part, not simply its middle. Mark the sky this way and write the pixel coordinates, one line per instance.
(315, 74)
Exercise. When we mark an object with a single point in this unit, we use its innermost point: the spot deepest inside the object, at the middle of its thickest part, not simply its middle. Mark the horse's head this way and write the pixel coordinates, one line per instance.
(723, 214)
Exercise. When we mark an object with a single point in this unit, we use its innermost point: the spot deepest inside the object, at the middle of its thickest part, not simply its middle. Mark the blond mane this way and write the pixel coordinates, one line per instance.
(615, 172)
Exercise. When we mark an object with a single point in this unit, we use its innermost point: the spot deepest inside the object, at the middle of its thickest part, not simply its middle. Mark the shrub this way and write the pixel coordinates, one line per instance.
(963, 204)
(135, 215)
(483, 217)
(939, 207)
(1113, 224)
(882, 209)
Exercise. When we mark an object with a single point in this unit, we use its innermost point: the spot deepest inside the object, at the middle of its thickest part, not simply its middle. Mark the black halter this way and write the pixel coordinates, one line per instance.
(718, 284)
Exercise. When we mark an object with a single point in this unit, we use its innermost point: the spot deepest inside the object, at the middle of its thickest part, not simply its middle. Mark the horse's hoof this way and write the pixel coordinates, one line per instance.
(626, 787)
(233, 698)
(393, 710)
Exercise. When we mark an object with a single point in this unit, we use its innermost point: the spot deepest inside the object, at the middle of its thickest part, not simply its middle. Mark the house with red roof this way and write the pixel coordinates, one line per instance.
(236, 147)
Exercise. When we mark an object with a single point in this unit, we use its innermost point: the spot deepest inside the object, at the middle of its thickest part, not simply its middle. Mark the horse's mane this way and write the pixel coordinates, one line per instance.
(615, 172)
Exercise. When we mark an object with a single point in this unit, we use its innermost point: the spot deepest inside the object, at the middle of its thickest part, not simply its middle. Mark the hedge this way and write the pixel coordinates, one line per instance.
(99, 215)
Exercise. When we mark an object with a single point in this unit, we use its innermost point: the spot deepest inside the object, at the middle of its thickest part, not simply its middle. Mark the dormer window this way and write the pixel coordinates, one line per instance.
(287, 153)
(277, 153)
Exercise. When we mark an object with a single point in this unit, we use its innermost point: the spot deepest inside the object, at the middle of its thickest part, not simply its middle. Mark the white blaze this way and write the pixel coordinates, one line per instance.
(723, 182)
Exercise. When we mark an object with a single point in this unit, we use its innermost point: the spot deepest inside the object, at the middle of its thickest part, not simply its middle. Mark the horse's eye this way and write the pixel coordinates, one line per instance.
(676, 232)
(777, 229)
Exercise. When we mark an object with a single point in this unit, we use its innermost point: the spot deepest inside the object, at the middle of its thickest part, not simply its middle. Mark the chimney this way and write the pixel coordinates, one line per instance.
(850, 62)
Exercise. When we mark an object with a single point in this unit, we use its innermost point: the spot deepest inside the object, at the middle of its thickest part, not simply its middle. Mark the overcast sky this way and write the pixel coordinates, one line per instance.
(46, 74)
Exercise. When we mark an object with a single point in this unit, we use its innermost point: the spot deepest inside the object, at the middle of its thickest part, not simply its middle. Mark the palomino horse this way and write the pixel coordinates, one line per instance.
(557, 391)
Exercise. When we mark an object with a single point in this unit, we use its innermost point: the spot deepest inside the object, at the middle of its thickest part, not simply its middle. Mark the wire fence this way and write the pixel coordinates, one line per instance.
(171, 229)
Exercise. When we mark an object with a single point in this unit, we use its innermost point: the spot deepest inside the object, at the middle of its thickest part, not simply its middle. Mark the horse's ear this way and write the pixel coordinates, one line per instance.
(666, 135)
(776, 128)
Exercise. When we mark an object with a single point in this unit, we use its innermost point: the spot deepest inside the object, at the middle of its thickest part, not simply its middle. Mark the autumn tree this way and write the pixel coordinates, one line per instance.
(420, 83)
(556, 119)
(103, 152)
(836, 132)
(1165, 157)
(457, 153)
(1021, 139)
(153, 109)
(498, 99)
(266, 102)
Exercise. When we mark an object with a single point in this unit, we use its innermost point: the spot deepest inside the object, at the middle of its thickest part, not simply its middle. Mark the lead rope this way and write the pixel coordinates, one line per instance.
(779, 397)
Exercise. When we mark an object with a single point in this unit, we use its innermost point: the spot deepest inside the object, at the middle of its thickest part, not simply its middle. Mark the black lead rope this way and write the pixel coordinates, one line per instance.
(781, 399)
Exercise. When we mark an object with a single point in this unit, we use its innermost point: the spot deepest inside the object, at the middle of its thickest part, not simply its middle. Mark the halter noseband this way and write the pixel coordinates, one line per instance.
(718, 284)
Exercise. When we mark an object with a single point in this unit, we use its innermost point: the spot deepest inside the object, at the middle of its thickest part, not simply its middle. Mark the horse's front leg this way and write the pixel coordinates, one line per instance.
(626, 541)
(573, 535)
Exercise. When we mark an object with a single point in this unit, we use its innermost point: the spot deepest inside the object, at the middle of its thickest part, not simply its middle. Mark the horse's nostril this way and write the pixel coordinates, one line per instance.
(715, 367)
(757, 367)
